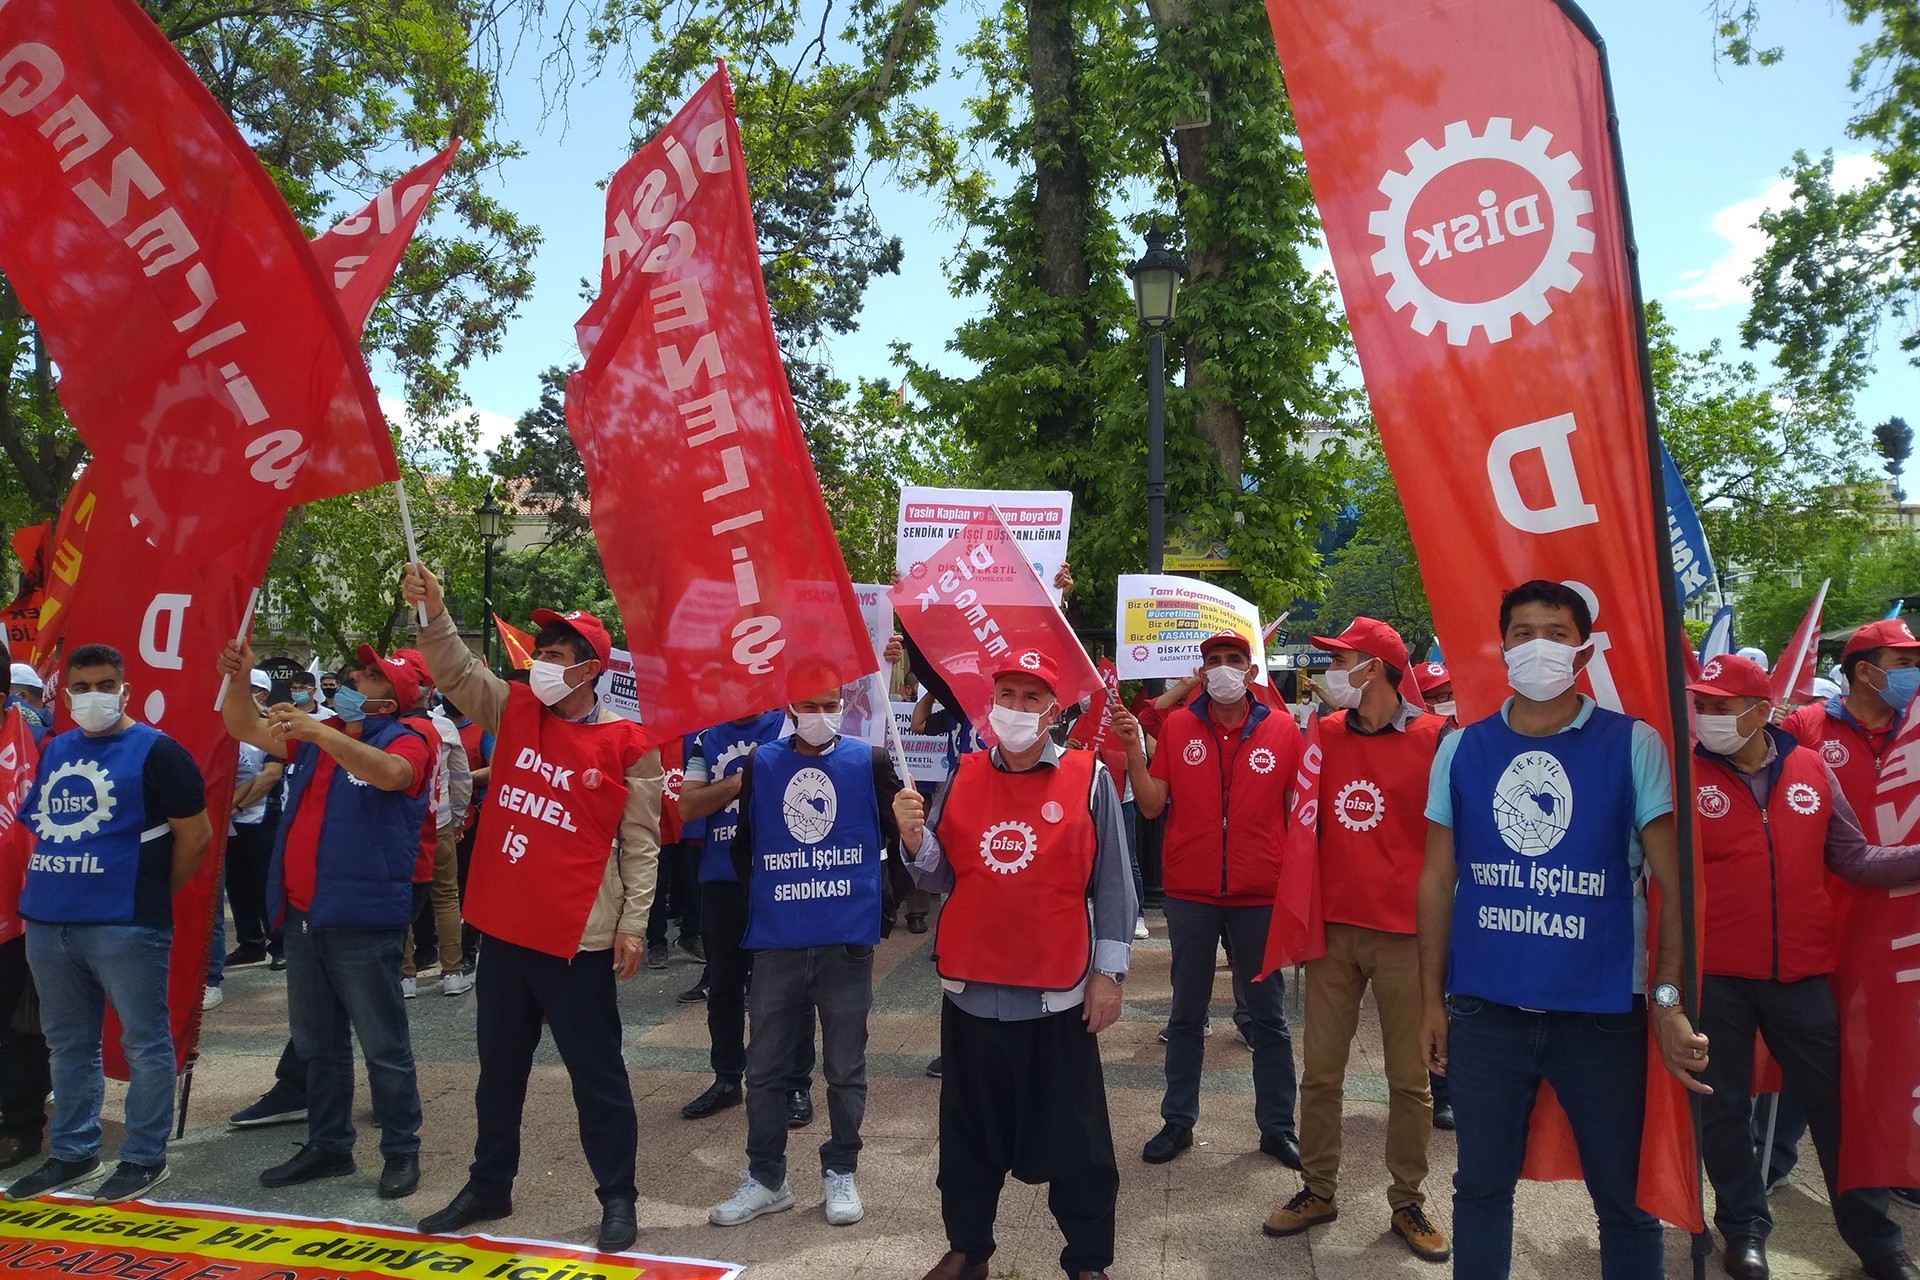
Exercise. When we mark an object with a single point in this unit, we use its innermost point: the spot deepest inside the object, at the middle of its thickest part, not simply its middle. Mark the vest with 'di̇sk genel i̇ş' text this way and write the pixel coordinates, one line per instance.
(1543, 911)
(1373, 821)
(724, 748)
(1764, 872)
(552, 818)
(87, 812)
(1226, 804)
(1021, 846)
(814, 821)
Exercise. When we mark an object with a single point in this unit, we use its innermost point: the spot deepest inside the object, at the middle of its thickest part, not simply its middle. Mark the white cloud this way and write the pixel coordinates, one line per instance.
(494, 427)
(1722, 282)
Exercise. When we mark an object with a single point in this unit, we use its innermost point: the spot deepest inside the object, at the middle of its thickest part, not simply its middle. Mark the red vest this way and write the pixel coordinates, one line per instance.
(552, 816)
(1765, 874)
(673, 763)
(1373, 821)
(1844, 747)
(1021, 846)
(1226, 806)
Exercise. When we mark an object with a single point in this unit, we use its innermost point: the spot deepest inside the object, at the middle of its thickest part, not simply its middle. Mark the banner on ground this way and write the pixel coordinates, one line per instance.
(1462, 161)
(1692, 565)
(142, 1240)
(1039, 520)
(926, 752)
(739, 599)
(1160, 619)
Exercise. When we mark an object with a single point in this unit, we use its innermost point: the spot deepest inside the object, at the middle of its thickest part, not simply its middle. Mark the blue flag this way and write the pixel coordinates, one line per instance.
(1719, 641)
(1692, 566)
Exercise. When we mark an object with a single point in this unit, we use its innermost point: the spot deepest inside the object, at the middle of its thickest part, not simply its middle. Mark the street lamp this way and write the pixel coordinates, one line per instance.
(493, 527)
(1156, 293)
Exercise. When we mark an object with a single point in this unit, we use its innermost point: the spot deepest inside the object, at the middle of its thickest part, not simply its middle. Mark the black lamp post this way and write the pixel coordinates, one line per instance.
(493, 526)
(1156, 292)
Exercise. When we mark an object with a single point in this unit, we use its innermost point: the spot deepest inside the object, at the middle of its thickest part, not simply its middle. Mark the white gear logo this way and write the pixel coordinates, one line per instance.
(734, 751)
(671, 786)
(1556, 270)
(1372, 809)
(1835, 752)
(1029, 661)
(95, 815)
(1712, 670)
(1713, 803)
(1013, 838)
(1261, 760)
(1803, 799)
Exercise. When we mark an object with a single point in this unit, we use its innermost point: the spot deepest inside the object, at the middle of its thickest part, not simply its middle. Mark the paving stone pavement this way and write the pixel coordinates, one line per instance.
(1197, 1218)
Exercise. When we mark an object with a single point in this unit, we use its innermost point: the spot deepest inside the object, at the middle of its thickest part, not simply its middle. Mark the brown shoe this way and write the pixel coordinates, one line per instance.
(955, 1267)
(14, 1150)
(1427, 1241)
(1296, 1215)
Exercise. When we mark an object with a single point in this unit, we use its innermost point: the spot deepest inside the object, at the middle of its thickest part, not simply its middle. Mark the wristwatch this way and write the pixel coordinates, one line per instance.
(1666, 996)
(1116, 979)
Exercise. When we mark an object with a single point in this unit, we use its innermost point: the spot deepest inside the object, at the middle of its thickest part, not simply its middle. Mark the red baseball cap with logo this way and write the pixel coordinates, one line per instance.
(1371, 637)
(1732, 676)
(582, 624)
(1431, 675)
(1888, 633)
(1228, 640)
(1030, 662)
(402, 671)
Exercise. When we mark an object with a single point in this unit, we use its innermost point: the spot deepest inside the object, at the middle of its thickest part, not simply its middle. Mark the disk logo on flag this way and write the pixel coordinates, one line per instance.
(809, 806)
(1009, 846)
(75, 803)
(1533, 804)
(1713, 803)
(1360, 806)
(1496, 224)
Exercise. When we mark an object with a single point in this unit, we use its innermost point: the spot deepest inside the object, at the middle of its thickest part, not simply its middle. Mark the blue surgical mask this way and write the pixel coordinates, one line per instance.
(302, 699)
(1902, 684)
(349, 705)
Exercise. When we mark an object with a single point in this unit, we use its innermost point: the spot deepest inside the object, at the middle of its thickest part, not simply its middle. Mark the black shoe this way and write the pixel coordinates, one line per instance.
(693, 947)
(1443, 1116)
(273, 1108)
(52, 1175)
(933, 1068)
(695, 994)
(1745, 1258)
(1283, 1147)
(618, 1227)
(15, 1151)
(657, 955)
(1893, 1266)
(278, 964)
(246, 954)
(466, 1209)
(1908, 1196)
(916, 922)
(129, 1182)
(799, 1108)
(720, 1095)
(309, 1163)
(1166, 1144)
(401, 1177)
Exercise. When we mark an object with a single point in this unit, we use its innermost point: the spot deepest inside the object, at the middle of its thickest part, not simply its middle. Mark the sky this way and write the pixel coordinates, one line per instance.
(1704, 143)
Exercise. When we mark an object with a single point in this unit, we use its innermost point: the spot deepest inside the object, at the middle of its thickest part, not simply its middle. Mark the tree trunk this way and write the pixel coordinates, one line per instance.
(1063, 187)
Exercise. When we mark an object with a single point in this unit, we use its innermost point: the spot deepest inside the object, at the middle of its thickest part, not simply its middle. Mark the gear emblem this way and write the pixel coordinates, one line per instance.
(1712, 670)
(1360, 806)
(1713, 803)
(75, 801)
(1030, 661)
(1803, 799)
(1262, 760)
(1479, 217)
(1008, 847)
(674, 778)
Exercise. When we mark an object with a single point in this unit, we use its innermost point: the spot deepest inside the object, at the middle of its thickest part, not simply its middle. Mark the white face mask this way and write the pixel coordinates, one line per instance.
(1016, 730)
(1340, 688)
(548, 680)
(1721, 734)
(1446, 710)
(1541, 670)
(1226, 684)
(98, 712)
(817, 728)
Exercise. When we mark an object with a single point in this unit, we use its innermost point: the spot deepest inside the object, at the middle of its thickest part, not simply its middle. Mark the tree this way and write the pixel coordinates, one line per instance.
(1374, 571)
(1894, 439)
(1868, 577)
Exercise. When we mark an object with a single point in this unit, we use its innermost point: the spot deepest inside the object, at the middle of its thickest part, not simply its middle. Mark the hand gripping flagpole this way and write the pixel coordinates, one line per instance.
(406, 527)
(899, 747)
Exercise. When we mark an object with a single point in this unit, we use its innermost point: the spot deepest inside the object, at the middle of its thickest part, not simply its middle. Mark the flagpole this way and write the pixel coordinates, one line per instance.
(899, 748)
(406, 527)
(246, 625)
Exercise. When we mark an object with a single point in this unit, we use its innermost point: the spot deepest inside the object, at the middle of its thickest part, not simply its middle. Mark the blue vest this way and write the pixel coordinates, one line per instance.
(87, 810)
(369, 839)
(724, 747)
(1543, 912)
(816, 849)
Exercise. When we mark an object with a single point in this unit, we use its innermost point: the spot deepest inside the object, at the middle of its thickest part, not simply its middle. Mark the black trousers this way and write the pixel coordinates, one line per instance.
(1026, 1098)
(25, 1073)
(463, 854)
(249, 850)
(1802, 1029)
(723, 915)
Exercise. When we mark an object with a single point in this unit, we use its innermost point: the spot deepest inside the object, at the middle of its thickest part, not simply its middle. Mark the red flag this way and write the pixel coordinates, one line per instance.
(22, 617)
(1298, 932)
(737, 599)
(1464, 168)
(1099, 737)
(517, 643)
(977, 599)
(1793, 674)
(18, 756)
(359, 256)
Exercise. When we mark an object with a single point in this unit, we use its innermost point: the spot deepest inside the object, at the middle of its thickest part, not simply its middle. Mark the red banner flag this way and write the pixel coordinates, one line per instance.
(31, 545)
(1793, 673)
(1097, 733)
(1463, 165)
(18, 757)
(361, 253)
(517, 643)
(1299, 929)
(977, 599)
(737, 599)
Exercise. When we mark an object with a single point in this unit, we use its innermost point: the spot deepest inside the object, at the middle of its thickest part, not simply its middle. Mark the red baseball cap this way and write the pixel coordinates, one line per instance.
(1030, 662)
(1732, 676)
(1228, 640)
(582, 624)
(1372, 637)
(405, 675)
(1888, 633)
(1431, 675)
(419, 661)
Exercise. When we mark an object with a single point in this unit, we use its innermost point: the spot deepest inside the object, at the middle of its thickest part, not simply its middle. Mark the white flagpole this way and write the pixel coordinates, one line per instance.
(899, 747)
(406, 527)
(246, 625)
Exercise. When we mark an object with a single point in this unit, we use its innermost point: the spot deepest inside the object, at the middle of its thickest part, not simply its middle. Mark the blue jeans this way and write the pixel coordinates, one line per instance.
(787, 988)
(1195, 929)
(79, 969)
(1497, 1058)
(343, 983)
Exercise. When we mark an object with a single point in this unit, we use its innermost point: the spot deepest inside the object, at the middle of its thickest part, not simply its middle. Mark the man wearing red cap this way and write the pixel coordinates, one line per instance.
(340, 887)
(1435, 683)
(1881, 662)
(1220, 772)
(1773, 823)
(1033, 945)
(559, 886)
(1378, 750)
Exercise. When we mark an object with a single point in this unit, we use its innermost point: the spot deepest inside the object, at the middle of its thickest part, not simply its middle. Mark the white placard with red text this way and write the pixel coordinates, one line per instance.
(1038, 519)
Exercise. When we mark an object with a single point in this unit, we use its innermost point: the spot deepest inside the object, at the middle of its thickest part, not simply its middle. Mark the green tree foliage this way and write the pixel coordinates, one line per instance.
(1375, 572)
(1868, 578)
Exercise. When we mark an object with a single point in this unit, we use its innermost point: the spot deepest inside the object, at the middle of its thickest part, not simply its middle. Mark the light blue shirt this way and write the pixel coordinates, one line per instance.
(252, 761)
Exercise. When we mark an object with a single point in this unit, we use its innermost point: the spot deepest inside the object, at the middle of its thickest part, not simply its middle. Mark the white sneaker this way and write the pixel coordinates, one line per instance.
(211, 998)
(843, 1200)
(750, 1201)
(409, 988)
(456, 984)
(1140, 929)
